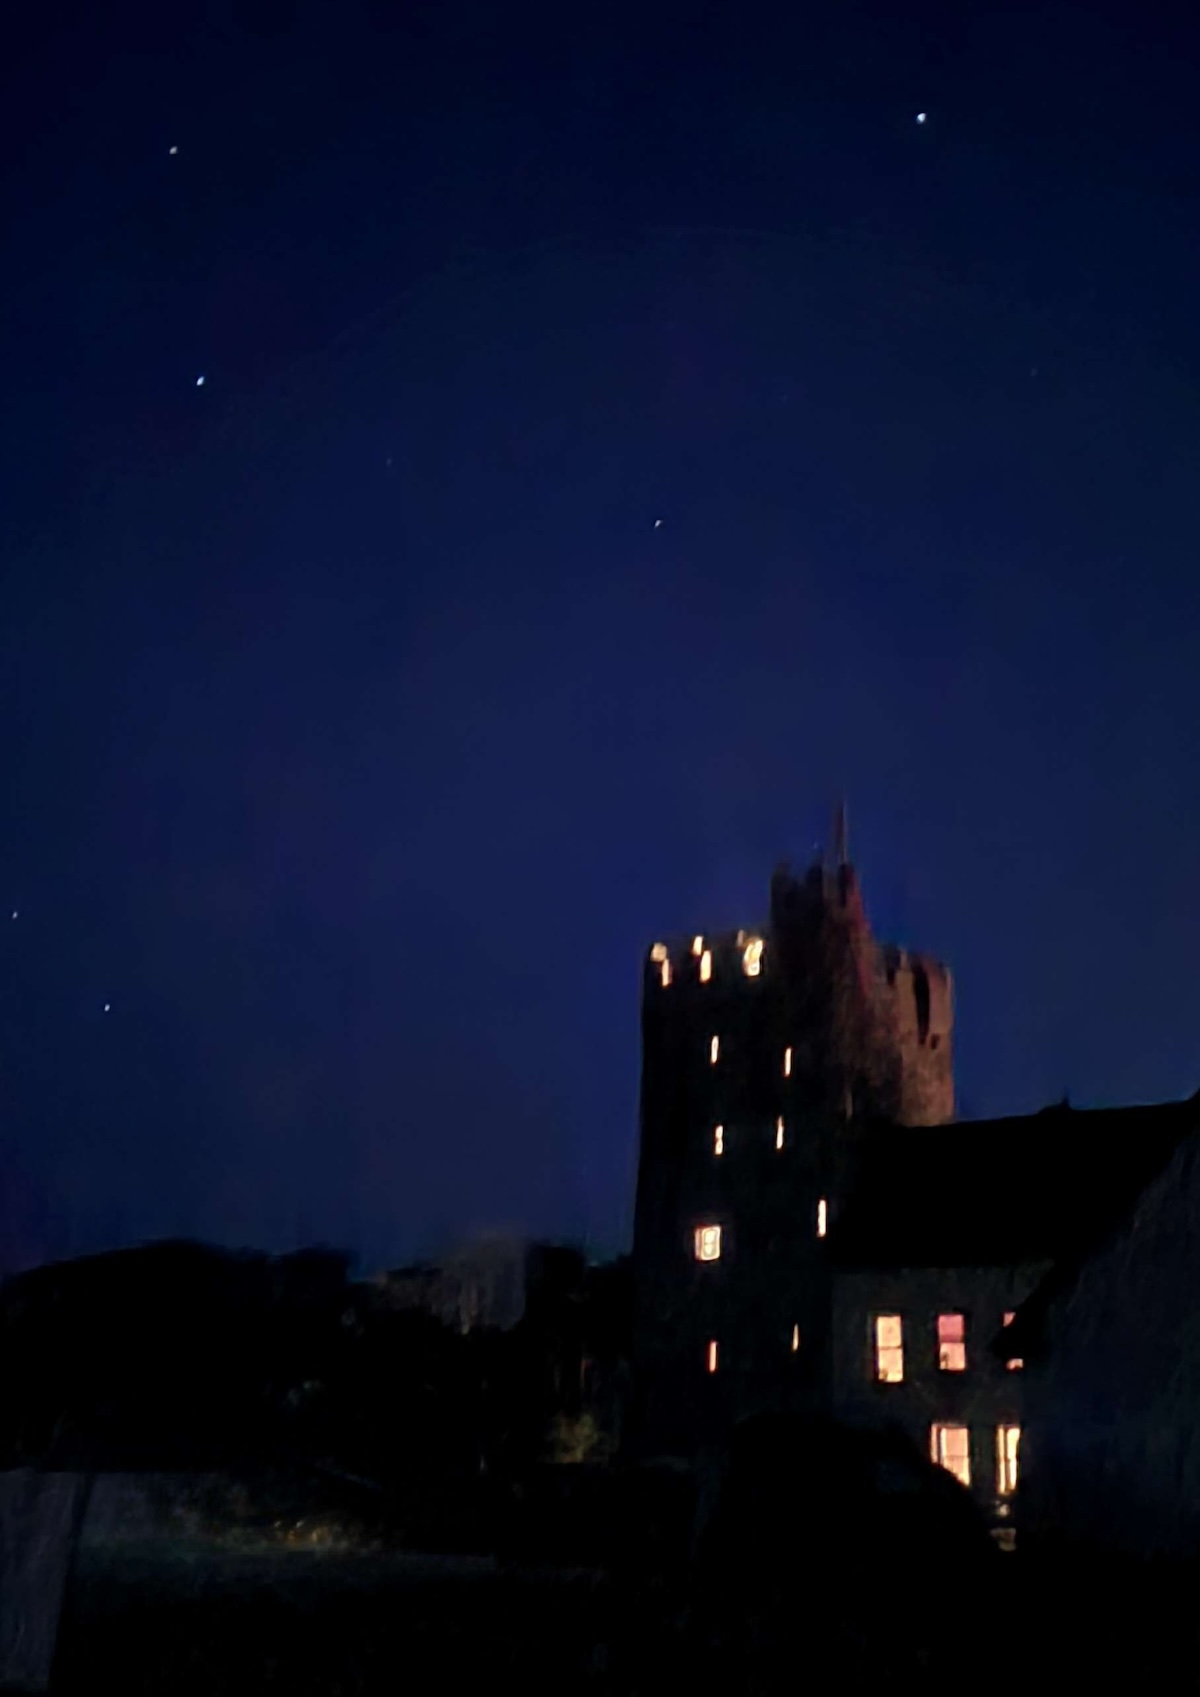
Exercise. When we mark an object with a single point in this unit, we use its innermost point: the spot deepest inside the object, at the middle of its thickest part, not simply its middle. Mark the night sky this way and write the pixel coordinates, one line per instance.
(362, 725)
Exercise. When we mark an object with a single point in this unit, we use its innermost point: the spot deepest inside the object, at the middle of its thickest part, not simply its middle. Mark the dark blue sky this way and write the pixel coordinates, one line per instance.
(361, 729)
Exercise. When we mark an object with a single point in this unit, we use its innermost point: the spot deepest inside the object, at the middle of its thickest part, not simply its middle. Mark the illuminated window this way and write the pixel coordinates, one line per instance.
(665, 973)
(697, 945)
(718, 1140)
(779, 1132)
(787, 1063)
(706, 966)
(1015, 1364)
(889, 1349)
(1008, 1442)
(710, 1355)
(752, 957)
(952, 1343)
(708, 1243)
(950, 1447)
(714, 1049)
(822, 1217)
(658, 952)
(795, 1339)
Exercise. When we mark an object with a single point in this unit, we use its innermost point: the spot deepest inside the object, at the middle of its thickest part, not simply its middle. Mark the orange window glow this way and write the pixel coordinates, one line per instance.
(822, 1217)
(1008, 1442)
(710, 1355)
(889, 1349)
(952, 1343)
(779, 1132)
(697, 945)
(1014, 1364)
(708, 1243)
(718, 1140)
(714, 1049)
(665, 974)
(752, 957)
(706, 966)
(795, 1339)
(787, 1063)
(658, 952)
(950, 1447)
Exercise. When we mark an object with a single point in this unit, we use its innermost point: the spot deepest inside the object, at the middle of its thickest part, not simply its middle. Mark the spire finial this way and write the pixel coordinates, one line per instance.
(841, 843)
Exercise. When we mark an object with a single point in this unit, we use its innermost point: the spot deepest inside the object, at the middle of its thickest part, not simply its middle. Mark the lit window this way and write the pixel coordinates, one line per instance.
(950, 1447)
(706, 966)
(711, 1355)
(697, 945)
(1008, 1442)
(822, 1217)
(665, 973)
(889, 1349)
(714, 1049)
(718, 1140)
(752, 957)
(787, 1063)
(1015, 1364)
(795, 1339)
(708, 1243)
(658, 952)
(952, 1343)
(779, 1132)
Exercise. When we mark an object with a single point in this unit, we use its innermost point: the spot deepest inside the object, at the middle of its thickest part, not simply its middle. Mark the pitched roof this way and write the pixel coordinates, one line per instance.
(1030, 1188)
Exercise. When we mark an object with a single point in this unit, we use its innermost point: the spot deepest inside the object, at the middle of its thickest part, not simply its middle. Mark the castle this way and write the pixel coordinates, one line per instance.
(814, 1232)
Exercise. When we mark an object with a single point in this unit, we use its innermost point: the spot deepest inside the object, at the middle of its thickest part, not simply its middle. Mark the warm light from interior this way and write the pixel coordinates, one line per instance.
(779, 1132)
(752, 957)
(665, 973)
(787, 1063)
(706, 966)
(658, 952)
(708, 1243)
(952, 1343)
(822, 1217)
(950, 1447)
(697, 945)
(795, 1339)
(1008, 1442)
(712, 1355)
(718, 1140)
(714, 1049)
(1015, 1364)
(889, 1349)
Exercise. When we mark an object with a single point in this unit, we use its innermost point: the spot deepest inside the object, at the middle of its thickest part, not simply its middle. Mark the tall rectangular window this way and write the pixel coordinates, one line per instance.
(710, 1355)
(752, 957)
(822, 1217)
(714, 1049)
(1014, 1363)
(1008, 1442)
(779, 1132)
(795, 1340)
(952, 1343)
(708, 1243)
(697, 945)
(706, 966)
(889, 1349)
(787, 1063)
(718, 1140)
(950, 1447)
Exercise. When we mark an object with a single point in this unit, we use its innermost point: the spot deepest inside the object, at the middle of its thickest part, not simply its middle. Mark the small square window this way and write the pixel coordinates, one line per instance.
(952, 1343)
(708, 1243)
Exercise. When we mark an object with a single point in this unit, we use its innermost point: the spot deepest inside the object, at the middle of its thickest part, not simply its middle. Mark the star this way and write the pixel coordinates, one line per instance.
(200, 381)
(658, 524)
(172, 150)
(921, 117)
(15, 911)
(108, 1007)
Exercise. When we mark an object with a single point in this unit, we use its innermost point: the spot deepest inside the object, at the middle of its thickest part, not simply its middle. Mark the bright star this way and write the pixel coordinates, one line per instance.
(107, 1007)
(921, 117)
(15, 912)
(200, 382)
(172, 150)
(657, 524)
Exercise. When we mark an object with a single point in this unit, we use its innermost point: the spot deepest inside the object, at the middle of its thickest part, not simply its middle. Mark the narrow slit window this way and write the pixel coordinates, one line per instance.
(665, 974)
(1008, 1443)
(718, 1140)
(950, 1447)
(952, 1343)
(889, 1349)
(706, 966)
(752, 957)
(710, 1355)
(787, 1062)
(795, 1340)
(714, 1049)
(822, 1217)
(697, 945)
(779, 1132)
(708, 1243)
(1014, 1363)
